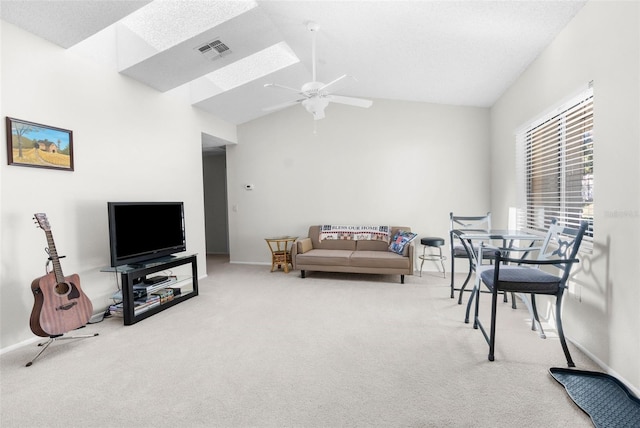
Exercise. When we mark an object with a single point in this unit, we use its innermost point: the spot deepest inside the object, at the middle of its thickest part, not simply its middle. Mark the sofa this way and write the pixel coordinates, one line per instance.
(344, 254)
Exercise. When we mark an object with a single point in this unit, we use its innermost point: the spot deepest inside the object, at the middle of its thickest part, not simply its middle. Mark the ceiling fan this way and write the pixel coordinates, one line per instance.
(316, 95)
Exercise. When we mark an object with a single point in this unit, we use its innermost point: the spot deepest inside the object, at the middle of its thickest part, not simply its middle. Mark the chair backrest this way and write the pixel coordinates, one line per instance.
(470, 223)
(459, 248)
(562, 242)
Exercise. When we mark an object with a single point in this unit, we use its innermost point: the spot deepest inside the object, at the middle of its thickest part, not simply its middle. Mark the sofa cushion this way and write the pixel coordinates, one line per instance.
(329, 244)
(377, 258)
(324, 257)
(371, 246)
(400, 240)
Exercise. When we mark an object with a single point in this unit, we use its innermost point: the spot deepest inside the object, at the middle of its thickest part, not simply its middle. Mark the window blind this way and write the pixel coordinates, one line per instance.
(555, 167)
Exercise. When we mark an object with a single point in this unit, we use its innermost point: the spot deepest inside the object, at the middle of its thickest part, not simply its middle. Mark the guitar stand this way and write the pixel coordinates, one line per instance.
(52, 339)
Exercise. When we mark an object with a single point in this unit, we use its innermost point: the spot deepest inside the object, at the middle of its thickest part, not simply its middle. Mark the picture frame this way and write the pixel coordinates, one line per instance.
(39, 146)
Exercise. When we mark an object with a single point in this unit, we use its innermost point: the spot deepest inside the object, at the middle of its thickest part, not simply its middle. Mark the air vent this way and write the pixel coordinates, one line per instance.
(215, 48)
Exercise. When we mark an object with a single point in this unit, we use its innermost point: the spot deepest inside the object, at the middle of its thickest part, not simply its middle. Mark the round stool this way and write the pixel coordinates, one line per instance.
(434, 243)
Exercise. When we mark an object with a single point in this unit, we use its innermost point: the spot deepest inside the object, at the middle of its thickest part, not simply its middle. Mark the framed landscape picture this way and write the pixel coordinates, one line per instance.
(40, 146)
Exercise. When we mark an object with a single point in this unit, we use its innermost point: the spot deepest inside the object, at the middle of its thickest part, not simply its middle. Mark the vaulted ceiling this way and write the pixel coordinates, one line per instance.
(448, 52)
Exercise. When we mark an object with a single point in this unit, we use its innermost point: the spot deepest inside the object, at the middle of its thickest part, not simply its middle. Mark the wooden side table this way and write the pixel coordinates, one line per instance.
(281, 251)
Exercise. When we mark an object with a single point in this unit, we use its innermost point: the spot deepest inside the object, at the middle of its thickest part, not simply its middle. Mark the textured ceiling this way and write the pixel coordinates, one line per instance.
(448, 52)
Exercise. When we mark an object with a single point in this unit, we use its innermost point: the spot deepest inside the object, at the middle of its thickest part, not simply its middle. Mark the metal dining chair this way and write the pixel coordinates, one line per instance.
(526, 276)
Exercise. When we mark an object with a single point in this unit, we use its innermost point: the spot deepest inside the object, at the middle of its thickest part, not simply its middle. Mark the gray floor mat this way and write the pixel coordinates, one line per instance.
(604, 398)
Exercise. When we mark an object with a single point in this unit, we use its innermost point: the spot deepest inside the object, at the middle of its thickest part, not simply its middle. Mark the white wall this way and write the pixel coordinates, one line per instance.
(602, 44)
(399, 163)
(130, 143)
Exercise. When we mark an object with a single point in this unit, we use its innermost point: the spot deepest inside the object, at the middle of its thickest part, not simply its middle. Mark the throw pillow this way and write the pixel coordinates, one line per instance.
(400, 241)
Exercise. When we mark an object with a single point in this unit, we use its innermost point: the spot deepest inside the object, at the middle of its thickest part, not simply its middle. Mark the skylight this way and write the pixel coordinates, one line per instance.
(253, 67)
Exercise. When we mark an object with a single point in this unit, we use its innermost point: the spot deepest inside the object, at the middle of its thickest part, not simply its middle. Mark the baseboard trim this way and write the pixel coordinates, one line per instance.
(605, 368)
(249, 263)
(19, 345)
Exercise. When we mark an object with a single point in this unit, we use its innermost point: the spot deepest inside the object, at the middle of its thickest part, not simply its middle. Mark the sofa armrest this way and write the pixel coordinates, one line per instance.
(303, 245)
(299, 247)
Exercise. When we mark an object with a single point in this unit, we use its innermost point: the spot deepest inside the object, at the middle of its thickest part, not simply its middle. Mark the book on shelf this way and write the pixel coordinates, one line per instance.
(164, 294)
(142, 305)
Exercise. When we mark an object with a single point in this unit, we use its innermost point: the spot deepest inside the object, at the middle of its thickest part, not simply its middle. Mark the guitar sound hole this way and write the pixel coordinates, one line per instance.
(62, 288)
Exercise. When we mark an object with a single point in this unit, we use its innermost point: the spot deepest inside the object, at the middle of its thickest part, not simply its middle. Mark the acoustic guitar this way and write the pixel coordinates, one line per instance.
(60, 305)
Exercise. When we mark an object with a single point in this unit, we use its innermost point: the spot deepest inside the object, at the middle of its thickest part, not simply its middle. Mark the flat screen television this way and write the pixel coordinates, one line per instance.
(143, 231)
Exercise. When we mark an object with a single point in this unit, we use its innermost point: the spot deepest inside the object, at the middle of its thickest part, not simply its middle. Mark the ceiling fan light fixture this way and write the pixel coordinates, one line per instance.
(316, 106)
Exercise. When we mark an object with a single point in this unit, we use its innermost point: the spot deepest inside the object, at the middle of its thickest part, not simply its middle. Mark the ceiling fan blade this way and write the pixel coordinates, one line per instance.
(276, 85)
(334, 82)
(356, 102)
(282, 105)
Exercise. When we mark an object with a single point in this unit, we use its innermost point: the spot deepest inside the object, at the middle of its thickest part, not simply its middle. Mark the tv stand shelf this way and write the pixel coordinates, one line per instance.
(135, 274)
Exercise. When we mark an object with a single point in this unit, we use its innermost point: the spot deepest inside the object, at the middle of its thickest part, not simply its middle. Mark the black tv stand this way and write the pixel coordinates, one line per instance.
(135, 274)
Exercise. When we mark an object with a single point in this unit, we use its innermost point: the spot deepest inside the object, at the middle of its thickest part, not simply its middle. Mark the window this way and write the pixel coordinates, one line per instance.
(555, 167)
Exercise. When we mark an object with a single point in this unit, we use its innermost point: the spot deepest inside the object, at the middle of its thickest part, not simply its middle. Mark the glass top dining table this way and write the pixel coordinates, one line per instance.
(503, 234)
(507, 236)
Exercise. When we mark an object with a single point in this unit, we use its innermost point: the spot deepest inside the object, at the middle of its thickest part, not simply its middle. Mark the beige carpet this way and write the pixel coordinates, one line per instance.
(261, 349)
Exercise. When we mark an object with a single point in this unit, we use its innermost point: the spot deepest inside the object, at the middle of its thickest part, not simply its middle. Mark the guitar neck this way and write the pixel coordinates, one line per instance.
(53, 255)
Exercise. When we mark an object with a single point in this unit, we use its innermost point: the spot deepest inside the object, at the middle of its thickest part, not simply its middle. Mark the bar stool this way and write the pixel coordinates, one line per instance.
(434, 243)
